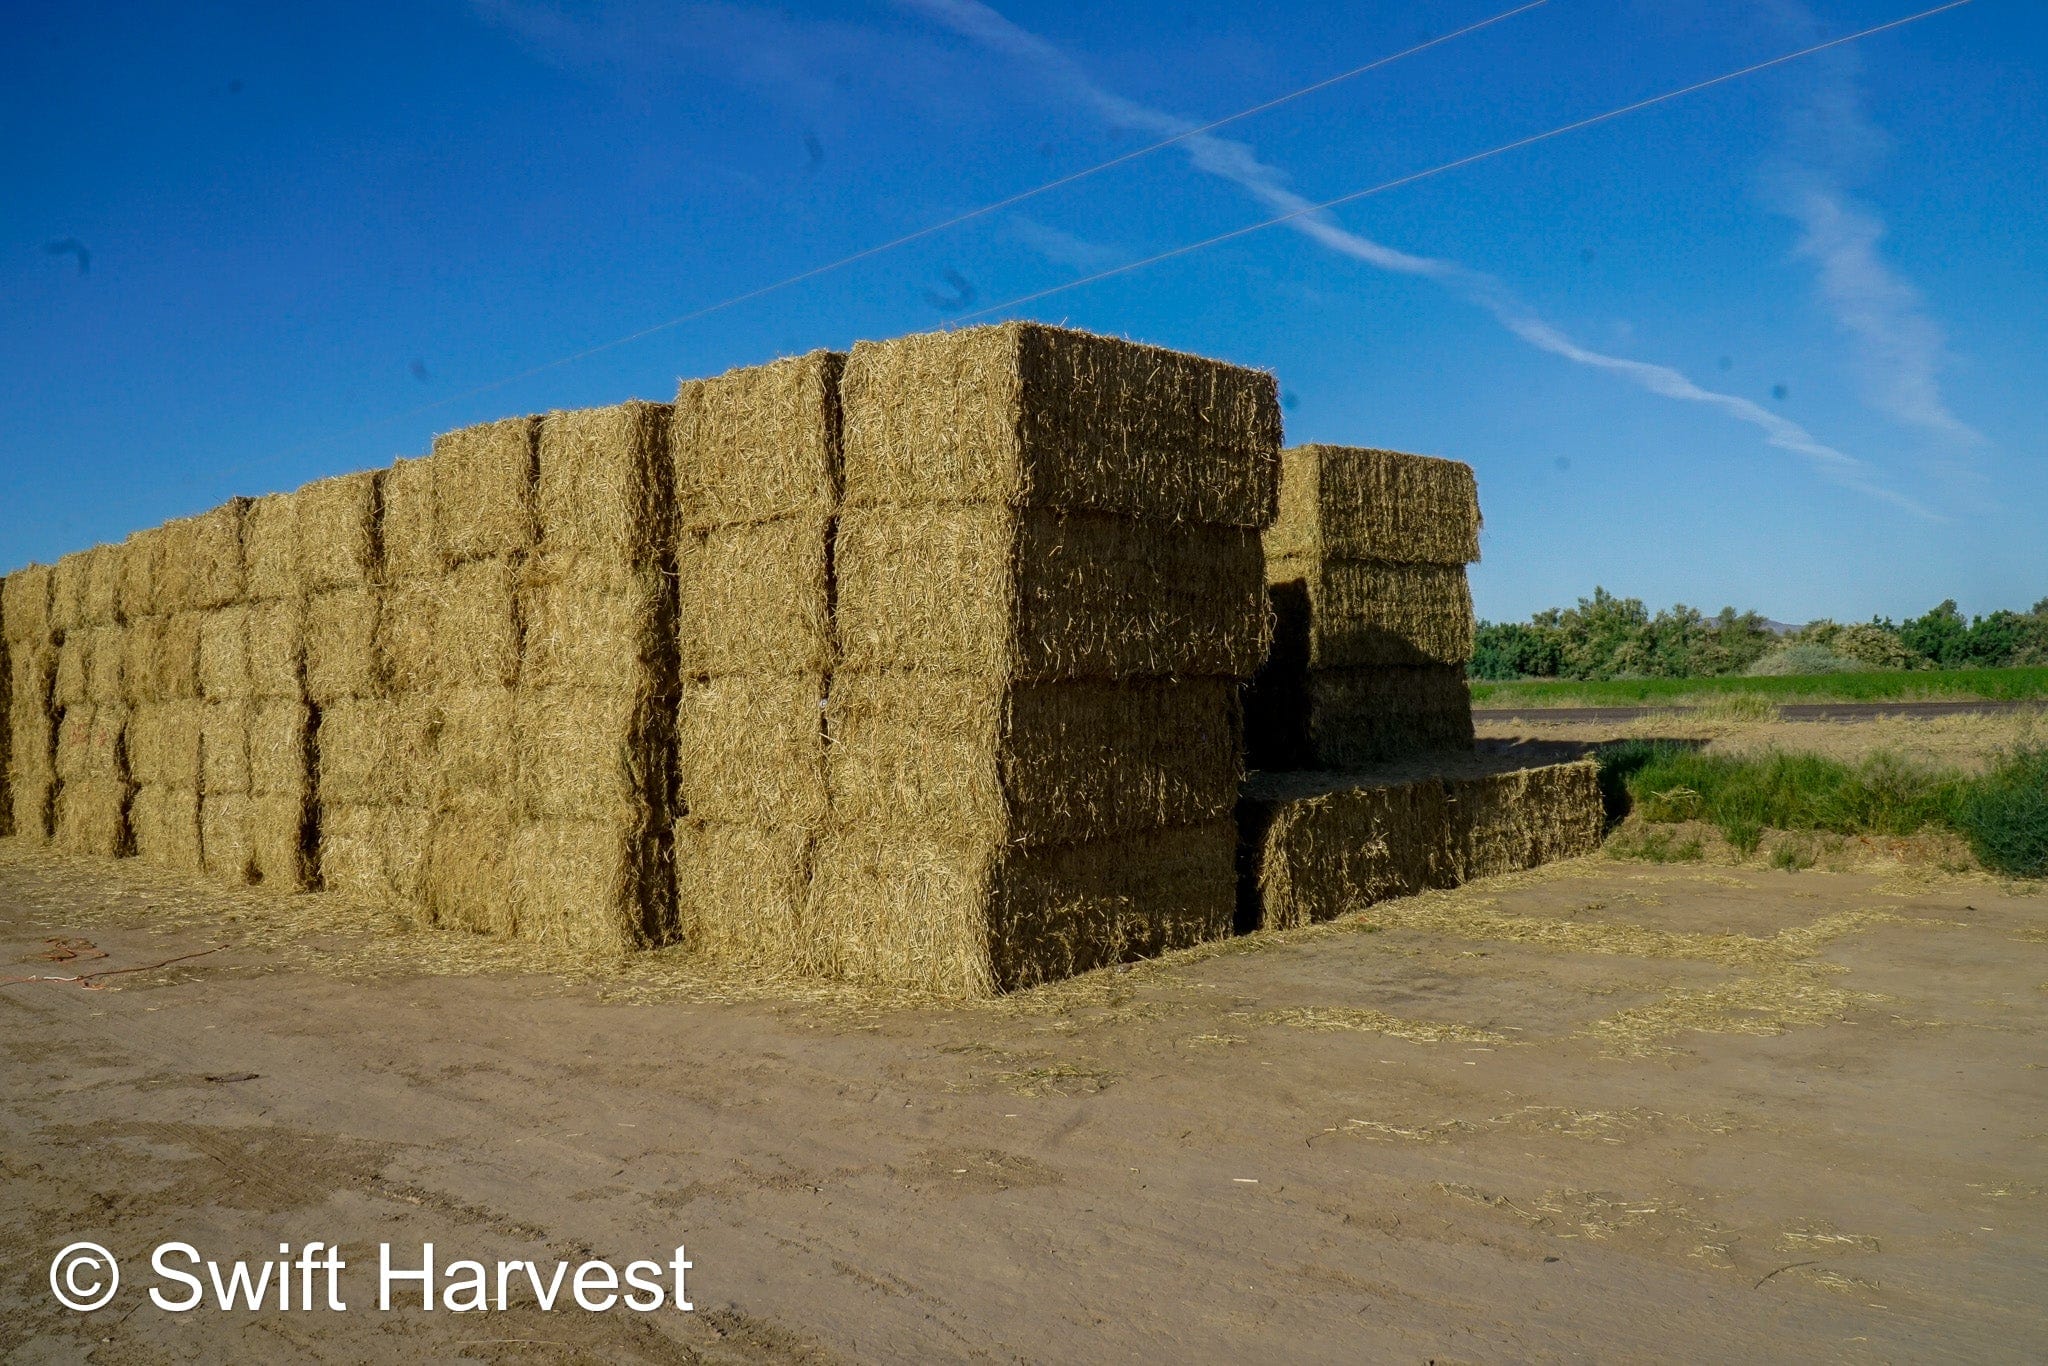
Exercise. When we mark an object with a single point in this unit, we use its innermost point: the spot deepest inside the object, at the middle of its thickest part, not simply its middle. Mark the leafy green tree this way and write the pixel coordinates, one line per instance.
(1941, 636)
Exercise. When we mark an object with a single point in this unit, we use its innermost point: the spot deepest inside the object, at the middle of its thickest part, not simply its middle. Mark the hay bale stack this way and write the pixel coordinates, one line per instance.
(593, 711)
(1316, 845)
(756, 456)
(93, 787)
(25, 625)
(1049, 588)
(1365, 569)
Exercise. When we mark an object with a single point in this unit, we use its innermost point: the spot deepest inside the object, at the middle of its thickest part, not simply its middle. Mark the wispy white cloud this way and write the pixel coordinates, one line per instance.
(1059, 246)
(1236, 162)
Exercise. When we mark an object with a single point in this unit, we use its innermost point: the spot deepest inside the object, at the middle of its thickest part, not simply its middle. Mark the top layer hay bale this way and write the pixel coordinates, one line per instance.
(986, 590)
(758, 443)
(1353, 503)
(602, 490)
(6, 723)
(1038, 416)
(105, 566)
(25, 606)
(200, 561)
(270, 552)
(1356, 613)
(335, 530)
(405, 520)
(138, 574)
(483, 489)
(67, 592)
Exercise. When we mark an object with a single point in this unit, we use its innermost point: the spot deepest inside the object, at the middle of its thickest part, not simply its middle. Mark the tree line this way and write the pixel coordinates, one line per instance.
(1610, 637)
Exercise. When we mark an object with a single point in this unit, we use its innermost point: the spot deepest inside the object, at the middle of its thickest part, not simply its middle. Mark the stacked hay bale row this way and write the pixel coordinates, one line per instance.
(1373, 620)
(161, 679)
(756, 478)
(1319, 844)
(1049, 590)
(31, 741)
(594, 711)
(90, 803)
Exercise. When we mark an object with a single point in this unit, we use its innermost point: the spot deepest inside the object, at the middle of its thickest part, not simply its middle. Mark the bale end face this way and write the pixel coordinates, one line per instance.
(1348, 502)
(758, 444)
(602, 490)
(483, 480)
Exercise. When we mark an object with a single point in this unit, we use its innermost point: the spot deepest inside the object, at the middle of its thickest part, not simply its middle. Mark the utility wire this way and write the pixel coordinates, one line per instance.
(1410, 179)
(955, 221)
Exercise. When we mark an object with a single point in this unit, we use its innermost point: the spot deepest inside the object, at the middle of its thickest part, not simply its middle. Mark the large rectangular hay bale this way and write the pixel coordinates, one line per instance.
(405, 520)
(895, 910)
(755, 598)
(740, 892)
(224, 845)
(750, 749)
(453, 630)
(6, 725)
(1352, 718)
(92, 744)
(758, 444)
(138, 574)
(276, 632)
(483, 489)
(164, 823)
(585, 623)
(174, 665)
(104, 663)
(335, 532)
(270, 548)
(985, 590)
(582, 884)
(224, 748)
(276, 829)
(73, 685)
(965, 761)
(92, 817)
(141, 638)
(280, 748)
(105, 567)
(589, 755)
(475, 746)
(467, 882)
(164, 744)
(67, 593)
(1347, 614)
(25, 606)
(342, 658)
(374, 853)
(1028, 415)
(602, 490)
(224, 653)
(1345, 502)
(199, 566)
(1523, 818)
(376, 752)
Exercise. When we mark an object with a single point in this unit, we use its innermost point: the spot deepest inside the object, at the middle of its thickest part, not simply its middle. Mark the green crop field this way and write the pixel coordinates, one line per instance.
(1931, 685)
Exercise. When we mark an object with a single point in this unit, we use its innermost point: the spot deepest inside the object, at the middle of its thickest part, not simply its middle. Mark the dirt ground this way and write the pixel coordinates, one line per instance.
(1606, 1110)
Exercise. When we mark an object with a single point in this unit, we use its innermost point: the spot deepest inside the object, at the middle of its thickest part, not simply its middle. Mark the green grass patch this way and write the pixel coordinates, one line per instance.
(1896, 685)
(2002, 813)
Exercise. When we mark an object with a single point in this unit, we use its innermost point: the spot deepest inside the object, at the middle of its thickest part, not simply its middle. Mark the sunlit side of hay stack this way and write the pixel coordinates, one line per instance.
(160, 676)
(31, 684)
(756, 467)
(1049, 587)
(1373, 620)
(1320, 844)
(89, 716)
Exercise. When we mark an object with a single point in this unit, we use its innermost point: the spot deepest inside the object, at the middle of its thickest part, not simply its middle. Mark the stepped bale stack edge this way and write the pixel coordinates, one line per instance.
(1365, 567)
(756, 464)
(1048, 583)
(1317, 845)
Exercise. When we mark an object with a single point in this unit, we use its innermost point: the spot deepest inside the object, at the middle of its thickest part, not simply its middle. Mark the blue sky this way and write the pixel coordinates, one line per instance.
(1778, 344)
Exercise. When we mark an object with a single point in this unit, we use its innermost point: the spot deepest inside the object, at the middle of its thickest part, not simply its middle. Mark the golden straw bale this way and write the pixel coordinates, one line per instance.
(1342, 502)
(740, 892)
(965, 761)
(73, 686)
(483, 489)
(164, 822)
(92, 817)
(174, 668)
(224, 748)
(586, 754)
(589, 624)
(467, 883)
(91, 744)
(25, 606)
(200, 565)
(335, 532)
(277, 648)
(582, 884)
(405, 524)
(224, 653)
(1363, 613)
(982, 590)
(280, 748)
(141, 639)
(31, 707)
(476, 755)
(759, 444)
(342, 659)
(275, 830)
(755, 599)
(459, 629)
(750, 748)
(67, 593)
(270, 548)
(409, 633)
(375, 853)
(105, 565)
(1028, 415)
(6, 726)
(164, 742)
(602, 490)
(892, 909)
(104, 663)
(33, 796)
(224, 845)
(137, 589)
(376, 752)
(1523, 818)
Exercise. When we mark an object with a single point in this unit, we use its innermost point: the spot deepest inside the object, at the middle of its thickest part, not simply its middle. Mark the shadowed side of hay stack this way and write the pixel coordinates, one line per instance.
(1048, 588)
(1316, 845)
(32, 679)
(1373, 623)
(756, 464)
(594, 708)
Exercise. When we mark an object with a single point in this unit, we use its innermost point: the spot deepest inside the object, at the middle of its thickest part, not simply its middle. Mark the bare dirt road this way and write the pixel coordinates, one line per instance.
(1605, 1111)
